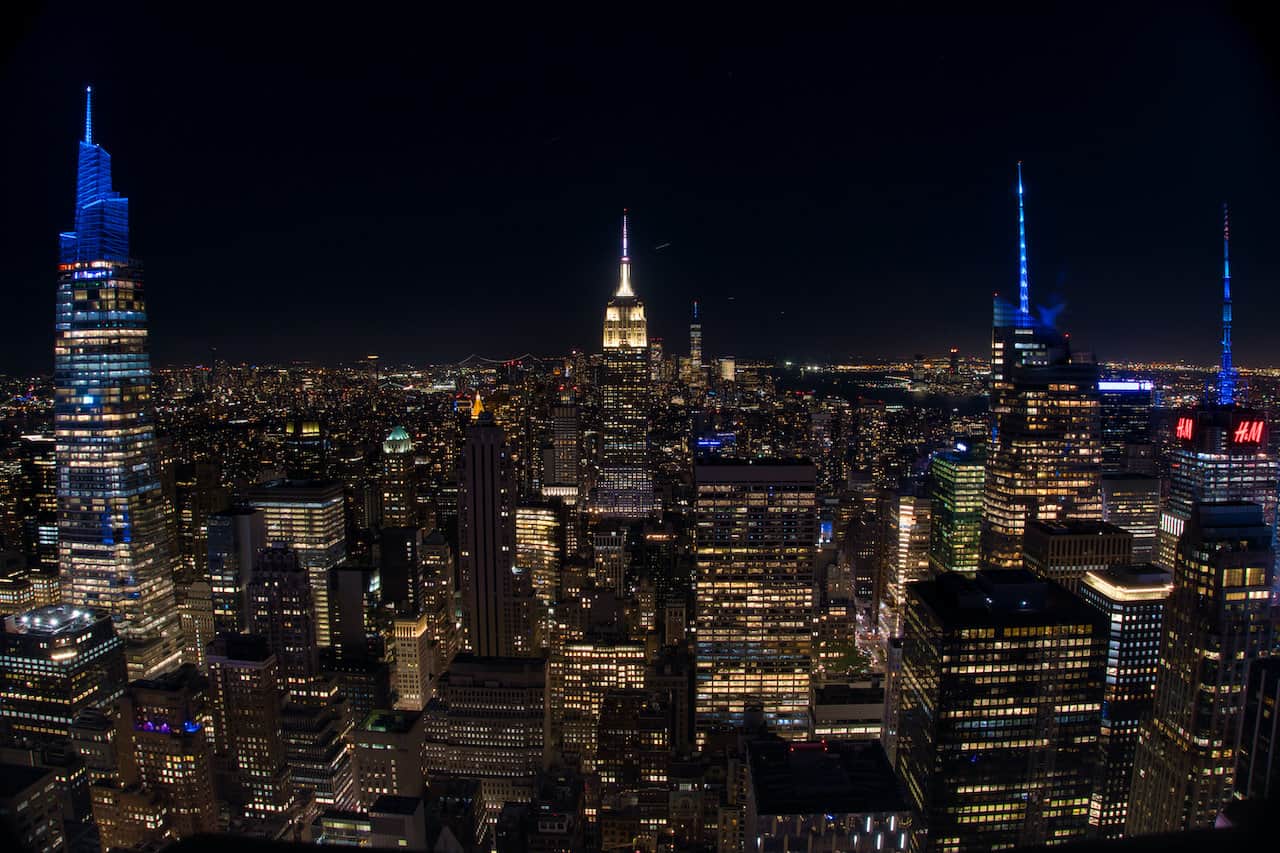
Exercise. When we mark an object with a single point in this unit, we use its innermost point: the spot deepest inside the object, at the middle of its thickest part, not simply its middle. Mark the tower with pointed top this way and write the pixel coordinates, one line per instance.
(113, 552)
(625, 487)
(495, 590)
(1226, 370)
(694, 376)
(1223, 448)
(1044, 460)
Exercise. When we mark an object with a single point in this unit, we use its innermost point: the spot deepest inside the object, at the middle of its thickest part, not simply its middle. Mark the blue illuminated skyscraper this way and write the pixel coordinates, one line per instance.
(112, 550)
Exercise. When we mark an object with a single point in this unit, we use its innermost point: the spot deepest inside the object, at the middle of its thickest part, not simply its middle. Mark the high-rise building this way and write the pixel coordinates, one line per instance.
(1222, 454)
(1216, 623)
(198, 627)
(492, 588)
(165, 747)
(282, 612)
(562, 478)
(907, 533)
(625, 487)
(401, 568)
(489, 722)
(235, 538)
(540, 548)
(634, 744)
(416, 668)
(756, 535)
(957, 478)
(197, 495)
(1125, 407)
(399, 493)
(694, 377)
(1132, 599)
(1063, 551)
(37, 498)
(305, 448)
(1132, 502)
(1001, 701)
(1044, 461)
(113, 548)
(54, 663)
(1258, 751)
(307, 516)
(1222, 449)
(248, 694)
(31, 808)
(388, 755)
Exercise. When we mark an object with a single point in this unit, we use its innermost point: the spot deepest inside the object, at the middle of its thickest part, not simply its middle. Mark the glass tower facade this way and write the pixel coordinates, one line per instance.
(755, 545)
(1216, 622)
(113, 553)
(957, 478)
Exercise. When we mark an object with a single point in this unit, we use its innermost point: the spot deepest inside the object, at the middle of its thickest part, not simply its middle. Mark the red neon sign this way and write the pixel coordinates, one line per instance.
(1184, 428)
(1248, 432)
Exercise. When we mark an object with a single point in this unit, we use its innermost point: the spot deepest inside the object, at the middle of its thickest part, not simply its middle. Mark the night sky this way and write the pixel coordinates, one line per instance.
(315, 188)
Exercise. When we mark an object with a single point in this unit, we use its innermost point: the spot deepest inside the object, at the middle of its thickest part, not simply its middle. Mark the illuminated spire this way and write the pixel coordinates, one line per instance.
(1226, 371)
(1024, 290)
(88, 115)
(477, 407)
(624, 279)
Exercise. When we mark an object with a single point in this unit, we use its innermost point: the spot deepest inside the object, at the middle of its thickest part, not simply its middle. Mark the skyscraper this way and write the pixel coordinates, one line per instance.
(1002, 680)
(1045, 458)
(282, 612)
(757, 529)
(399, 501)
(1132, 501)
(54, 663)
(113, 552)
(626, 488)
(235, 537)
(309, 517)
(957, 478)
(248, 694)
(1222, 451)
(1132, 600)
(694, 376)
(1216, 622)
(907, 532)
(165, 746)
(1126, 406)
(487, 539)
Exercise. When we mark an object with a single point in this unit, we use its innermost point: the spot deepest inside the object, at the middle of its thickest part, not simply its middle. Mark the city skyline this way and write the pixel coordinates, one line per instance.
(508, 207)
(624, 598)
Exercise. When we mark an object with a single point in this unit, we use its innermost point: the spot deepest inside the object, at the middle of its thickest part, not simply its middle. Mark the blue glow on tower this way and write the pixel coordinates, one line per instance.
(1024, 289)
(113, 550)
(1226, 370)
(102, 216)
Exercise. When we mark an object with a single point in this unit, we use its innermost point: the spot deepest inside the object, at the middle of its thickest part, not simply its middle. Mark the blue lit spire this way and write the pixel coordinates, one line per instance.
(1024, 289)
(102, 216)
(1226, 370)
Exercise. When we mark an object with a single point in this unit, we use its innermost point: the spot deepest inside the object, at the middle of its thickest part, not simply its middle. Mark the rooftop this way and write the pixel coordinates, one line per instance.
(823, 777)
(52, 621)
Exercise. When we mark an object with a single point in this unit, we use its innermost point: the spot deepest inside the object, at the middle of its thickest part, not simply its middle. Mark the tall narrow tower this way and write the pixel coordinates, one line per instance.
(694, 379)
(626, 490)
(1226, 370)
(491, 586)
(1045, 457)
(113, 554)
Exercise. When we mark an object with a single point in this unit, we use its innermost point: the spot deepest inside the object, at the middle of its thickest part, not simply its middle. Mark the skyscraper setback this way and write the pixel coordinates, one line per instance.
(626, 489)
(1045, 458)
(113, 552)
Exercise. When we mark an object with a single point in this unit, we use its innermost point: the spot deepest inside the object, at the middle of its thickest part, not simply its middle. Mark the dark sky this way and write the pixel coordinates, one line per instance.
(306, 186)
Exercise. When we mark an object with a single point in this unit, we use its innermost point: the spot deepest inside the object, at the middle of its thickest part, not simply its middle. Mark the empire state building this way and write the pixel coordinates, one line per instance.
(113, 554)
(626, 488)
